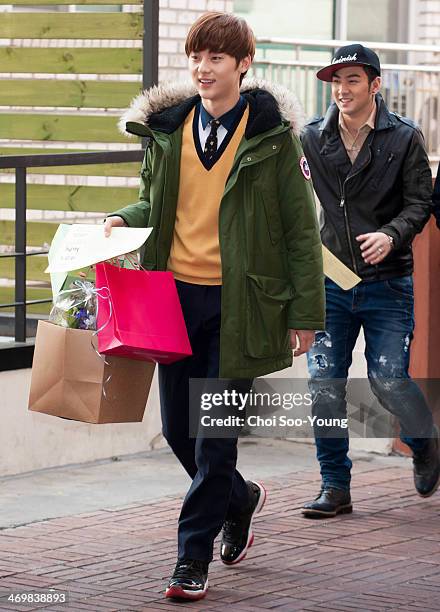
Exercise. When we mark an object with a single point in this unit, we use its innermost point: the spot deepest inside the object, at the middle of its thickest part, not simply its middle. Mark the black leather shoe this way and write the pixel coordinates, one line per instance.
(237, 536)
(427, 467)
(189, 580)
(328, 503)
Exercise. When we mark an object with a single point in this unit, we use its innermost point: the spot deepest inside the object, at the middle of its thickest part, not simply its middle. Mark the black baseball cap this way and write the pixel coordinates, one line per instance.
(350, 55)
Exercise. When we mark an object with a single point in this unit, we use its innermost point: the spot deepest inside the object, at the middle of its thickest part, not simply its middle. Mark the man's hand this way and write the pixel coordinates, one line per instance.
(301, 340)
(375, 247)
(113, 222)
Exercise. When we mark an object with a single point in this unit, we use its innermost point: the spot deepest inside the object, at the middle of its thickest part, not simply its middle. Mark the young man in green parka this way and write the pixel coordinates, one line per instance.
(227, 190)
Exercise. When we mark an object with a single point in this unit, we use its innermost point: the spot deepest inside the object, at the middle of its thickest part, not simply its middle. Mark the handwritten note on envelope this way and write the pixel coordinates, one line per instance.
(337, 271)
(84, 245)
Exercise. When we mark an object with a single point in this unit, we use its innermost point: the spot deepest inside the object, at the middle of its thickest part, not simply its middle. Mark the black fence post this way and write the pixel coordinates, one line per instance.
(20, 259)
(150, 48)
(150, 69)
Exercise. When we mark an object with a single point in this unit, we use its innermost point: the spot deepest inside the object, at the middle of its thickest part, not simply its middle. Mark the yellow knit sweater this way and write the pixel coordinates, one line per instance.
(195, 250)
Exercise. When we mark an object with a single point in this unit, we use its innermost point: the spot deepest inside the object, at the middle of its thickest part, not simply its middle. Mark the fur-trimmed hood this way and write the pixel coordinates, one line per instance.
(164, 107)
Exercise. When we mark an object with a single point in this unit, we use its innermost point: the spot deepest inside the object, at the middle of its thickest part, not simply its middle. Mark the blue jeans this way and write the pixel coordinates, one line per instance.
(385, 311)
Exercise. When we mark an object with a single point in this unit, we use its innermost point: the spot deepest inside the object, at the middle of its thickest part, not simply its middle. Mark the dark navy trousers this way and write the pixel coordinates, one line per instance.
(218, 490)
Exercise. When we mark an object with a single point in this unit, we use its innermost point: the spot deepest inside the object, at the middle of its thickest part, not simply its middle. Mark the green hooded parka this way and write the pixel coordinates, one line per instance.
(272, 276)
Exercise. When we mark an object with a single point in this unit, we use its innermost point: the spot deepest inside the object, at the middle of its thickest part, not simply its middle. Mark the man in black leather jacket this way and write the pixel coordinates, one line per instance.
(371, 173)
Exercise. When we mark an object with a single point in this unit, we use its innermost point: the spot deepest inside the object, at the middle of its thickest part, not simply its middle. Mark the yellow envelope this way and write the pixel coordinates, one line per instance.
(338, 272)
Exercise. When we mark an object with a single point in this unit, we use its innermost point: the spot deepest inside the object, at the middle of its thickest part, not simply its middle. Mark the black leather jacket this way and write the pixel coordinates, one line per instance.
(387, 189)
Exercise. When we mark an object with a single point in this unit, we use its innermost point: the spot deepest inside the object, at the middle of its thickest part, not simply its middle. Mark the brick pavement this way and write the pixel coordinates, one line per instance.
(385, 556)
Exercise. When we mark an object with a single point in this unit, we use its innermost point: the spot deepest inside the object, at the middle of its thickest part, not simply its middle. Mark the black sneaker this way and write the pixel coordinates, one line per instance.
(427, 467)
(189, 580)
(328, 503)
(237, 534)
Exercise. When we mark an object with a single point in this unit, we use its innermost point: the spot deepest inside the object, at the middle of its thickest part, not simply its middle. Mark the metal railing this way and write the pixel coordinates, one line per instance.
(21, 163)
(150, 46)
(410, 87)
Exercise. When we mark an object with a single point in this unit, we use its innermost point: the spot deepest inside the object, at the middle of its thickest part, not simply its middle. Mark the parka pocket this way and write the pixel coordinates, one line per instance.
(273, 218)
(266, 333)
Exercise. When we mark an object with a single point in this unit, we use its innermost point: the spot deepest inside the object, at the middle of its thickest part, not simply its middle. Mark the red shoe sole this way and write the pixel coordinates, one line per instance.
(250, 541)
(179, 593)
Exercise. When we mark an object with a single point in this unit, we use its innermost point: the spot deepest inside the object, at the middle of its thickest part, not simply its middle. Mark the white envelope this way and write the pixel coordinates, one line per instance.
(84, 245)
(57, 278)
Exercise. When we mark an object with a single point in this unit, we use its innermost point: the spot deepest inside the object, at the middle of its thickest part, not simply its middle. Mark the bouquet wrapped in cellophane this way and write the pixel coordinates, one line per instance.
(76, 306)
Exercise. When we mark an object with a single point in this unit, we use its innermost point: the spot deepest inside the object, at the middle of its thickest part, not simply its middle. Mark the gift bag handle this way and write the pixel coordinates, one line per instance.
(132, 259)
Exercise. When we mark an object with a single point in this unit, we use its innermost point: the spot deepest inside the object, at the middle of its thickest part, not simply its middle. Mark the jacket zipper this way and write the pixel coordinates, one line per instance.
(160, 229)
(342, 205)
(347, 225)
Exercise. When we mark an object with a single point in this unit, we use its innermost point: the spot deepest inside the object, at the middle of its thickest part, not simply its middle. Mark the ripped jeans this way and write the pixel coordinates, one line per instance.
(385, 310)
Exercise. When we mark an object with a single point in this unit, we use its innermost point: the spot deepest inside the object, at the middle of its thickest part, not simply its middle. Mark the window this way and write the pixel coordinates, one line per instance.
(288, 18)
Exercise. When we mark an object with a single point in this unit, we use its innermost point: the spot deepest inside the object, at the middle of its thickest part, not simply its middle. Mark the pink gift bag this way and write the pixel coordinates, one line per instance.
(140, 317)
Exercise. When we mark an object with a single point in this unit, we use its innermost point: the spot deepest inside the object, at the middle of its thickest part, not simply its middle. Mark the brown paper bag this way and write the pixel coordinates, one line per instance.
(70, 380)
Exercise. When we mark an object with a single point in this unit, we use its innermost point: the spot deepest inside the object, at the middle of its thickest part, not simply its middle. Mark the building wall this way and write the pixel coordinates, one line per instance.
(428, 22)
(175, 19)
(32, 441)
(424, 29)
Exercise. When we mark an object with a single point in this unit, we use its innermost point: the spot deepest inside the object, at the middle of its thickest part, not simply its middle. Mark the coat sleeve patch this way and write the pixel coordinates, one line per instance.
(303, 164)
